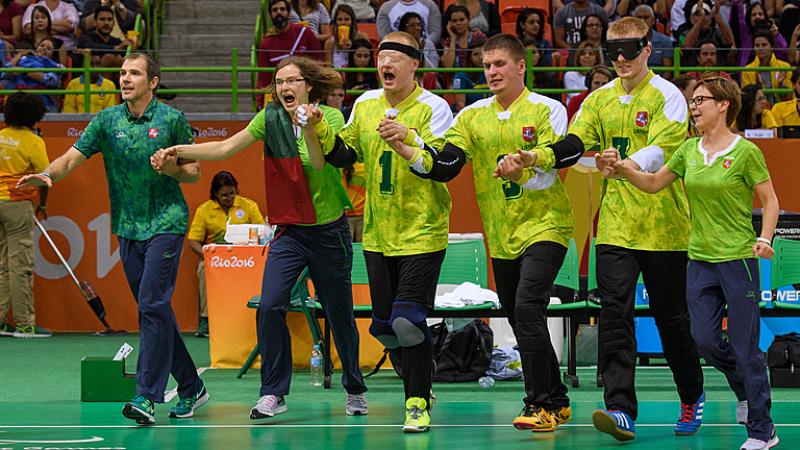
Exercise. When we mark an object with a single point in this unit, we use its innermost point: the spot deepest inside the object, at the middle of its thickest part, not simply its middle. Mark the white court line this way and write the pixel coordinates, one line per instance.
(169, 395)
(267, 425)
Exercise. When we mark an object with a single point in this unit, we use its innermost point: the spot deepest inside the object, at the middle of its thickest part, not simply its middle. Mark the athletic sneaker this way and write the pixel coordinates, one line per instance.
(417, 418)
(202, 327)
(741, 412)
(268, 406)
(691, 417)
(758, 444)
(141, 410)
(7, 330)
(562, 415)
(186, 406)
(535, 419)
(616, 423)
(357, 405)
(32, 331)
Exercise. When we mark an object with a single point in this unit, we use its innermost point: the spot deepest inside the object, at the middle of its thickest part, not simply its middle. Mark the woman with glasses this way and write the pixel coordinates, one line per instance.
(722, 172)
(754, 113)
(307, 202)
(209, 226)
(593, 30)
(530, 28)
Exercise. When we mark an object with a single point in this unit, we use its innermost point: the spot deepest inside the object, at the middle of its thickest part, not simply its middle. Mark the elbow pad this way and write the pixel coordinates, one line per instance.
(567, 151)
(447, 163)
(341, 155)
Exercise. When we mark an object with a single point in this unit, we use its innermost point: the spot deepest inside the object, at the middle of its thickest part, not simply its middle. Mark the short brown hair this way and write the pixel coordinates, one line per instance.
(323, 79)
(723, 89)
(153, 68)
(629, 25)
(505, 42)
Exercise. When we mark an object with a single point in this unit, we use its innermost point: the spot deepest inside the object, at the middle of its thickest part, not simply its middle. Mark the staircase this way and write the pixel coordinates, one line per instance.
(203, 33)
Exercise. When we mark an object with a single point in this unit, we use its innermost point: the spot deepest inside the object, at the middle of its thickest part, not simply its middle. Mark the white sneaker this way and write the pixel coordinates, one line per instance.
(268, 406)
(357, 405)
(741, 412)
(758, 444)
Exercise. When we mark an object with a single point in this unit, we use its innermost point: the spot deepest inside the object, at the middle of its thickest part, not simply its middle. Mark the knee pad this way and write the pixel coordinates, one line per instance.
(408, 323)
(383, 332)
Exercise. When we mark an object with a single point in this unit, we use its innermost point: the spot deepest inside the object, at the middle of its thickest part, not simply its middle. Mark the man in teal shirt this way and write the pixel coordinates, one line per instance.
(150, 217)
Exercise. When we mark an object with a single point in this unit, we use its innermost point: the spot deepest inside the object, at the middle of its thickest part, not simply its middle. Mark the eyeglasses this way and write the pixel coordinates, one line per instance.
(288, 81)
(699, 100)
(762, 98)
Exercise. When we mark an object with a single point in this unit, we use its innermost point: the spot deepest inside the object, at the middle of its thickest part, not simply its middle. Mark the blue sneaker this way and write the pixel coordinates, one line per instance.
(141, 410)
(616, 423)
(186, 406)
(691, 417)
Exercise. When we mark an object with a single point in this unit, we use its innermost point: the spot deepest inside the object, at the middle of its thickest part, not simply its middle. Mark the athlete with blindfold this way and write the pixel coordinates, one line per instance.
(642, 116)
(394, 131)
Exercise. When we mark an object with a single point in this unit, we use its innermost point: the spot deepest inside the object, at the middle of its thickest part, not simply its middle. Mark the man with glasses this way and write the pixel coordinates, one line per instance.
(644, 117)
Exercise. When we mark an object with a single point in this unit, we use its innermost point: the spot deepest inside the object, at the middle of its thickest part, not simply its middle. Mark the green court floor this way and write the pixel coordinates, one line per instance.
(40, 409)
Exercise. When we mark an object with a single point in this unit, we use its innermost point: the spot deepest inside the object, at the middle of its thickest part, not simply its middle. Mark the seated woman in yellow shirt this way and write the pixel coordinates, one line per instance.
(208, 227)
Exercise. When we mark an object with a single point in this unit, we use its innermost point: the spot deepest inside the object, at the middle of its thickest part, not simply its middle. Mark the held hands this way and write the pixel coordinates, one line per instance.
(393, 133)
(763, 250)
(609, 163)
(308, 116)
(511, 166)
(165, 161)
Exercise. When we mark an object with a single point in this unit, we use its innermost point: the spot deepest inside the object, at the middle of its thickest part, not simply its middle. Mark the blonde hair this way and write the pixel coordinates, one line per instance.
(723, 89)
(629, 25)
(401, 37)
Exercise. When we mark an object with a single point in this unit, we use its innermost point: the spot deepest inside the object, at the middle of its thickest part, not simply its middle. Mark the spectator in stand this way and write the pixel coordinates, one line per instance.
(607, 5)
(392, 11)
(100, 41)
(593, 31)
(707, 57)
(530, 28)
(686, 83)
(74, 103)
(662, 44)
(794, 54)
(337, 47)
(483, 16)
(64, 18)
(363, 9)
(362, 56)
(628, 8)
(455, 47)
(704, 24)
(282, 40)
(336, 100)
(681, 11)
(11, 21)
(23, 153)
(586, 55)
(765, 57)
(411, 23)
(595, 79)
(42, 27)
(209, 226)
(754, 113)
(470, 80)
(40, 58)
(544, 79)
(314, 15)
(755, 21)
(569, 20)
(787, 114)
(125, 12)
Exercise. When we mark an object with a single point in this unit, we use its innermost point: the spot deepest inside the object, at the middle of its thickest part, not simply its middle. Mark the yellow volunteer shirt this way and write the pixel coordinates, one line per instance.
(21, 153)
(73, 103)
(208, 225)
(786, 114)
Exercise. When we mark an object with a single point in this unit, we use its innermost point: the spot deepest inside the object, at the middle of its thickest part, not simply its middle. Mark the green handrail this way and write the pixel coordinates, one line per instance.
(147, 41)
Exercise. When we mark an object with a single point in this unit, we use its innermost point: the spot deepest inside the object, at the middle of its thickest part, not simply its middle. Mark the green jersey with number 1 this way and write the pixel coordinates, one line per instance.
(403, 213)
(650, 119)
(514, 218)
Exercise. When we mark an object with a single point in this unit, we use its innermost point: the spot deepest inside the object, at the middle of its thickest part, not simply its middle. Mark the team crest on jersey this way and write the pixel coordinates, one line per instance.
(641, 119)
(727, 163)
(152, 132)
(529, 134)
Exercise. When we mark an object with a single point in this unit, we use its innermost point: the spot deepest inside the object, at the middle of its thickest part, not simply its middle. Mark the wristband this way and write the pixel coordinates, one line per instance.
(45, 174)
(764, 240)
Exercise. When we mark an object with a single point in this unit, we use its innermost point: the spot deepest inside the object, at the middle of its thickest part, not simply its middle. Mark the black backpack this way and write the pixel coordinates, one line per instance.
(461, 355)
(784, 352)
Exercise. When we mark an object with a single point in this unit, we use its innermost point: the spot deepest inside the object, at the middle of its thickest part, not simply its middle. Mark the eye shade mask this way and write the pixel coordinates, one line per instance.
(629, 48)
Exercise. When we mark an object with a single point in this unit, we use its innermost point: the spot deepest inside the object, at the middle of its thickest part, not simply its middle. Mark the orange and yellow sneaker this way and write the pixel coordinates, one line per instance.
(562, 415)
(538, 420)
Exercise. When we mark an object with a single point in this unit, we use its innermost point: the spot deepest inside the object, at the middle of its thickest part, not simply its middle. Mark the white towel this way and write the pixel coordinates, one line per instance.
(467, 294)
